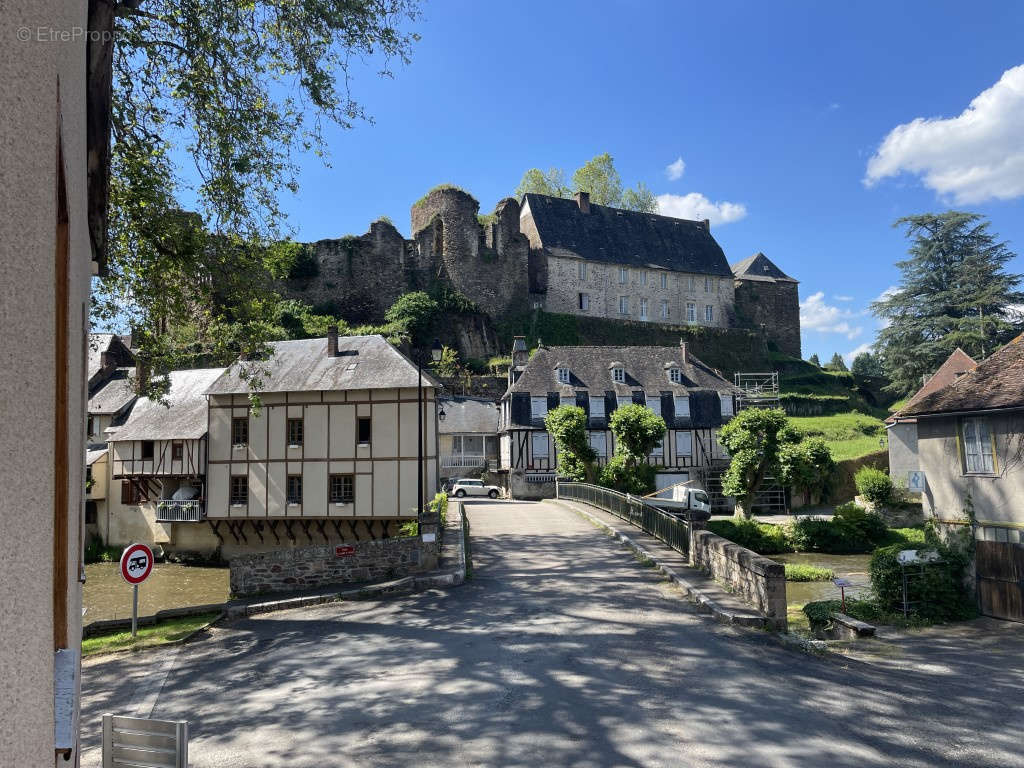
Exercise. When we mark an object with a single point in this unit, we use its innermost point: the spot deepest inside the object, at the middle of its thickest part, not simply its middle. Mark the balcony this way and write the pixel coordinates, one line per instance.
(180, 511)
(463, 461)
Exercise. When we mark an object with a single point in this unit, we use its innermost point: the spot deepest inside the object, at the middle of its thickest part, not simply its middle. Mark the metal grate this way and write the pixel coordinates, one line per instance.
(142, 743)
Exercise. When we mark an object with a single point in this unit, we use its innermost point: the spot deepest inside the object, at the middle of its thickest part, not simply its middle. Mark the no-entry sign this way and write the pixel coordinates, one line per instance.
(136, 563)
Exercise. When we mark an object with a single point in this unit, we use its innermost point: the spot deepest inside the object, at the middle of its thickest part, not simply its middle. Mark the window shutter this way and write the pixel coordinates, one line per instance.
(705, 409)
(552, 401)
(639, 398)
(610, 404)
(667, 409)
(521, 408)
(126, 491)
(583, 401)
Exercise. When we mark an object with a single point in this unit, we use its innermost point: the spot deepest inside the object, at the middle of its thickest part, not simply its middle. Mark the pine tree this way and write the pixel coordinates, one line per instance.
(866, 364)
(954, 292)
(836, 363)
(814, 360)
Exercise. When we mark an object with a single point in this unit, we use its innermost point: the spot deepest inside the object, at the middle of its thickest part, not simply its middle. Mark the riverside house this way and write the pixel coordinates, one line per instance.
(468, 436)
(970, 439)
(692, 398)
(331, 454)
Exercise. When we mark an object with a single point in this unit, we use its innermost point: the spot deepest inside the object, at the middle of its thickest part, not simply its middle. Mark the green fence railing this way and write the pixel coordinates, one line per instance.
(648, 518)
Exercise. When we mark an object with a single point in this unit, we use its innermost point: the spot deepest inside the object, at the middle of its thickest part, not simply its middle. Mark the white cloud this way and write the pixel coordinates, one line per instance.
(888, 293)
(697, 207)
(849, 356)
(972, 158)
(675, 170)
(816, 315)
(837, 297)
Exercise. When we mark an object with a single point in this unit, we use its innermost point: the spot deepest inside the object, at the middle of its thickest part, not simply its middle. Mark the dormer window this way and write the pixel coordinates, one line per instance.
(563, 375)
(675, 376)
(619, 375)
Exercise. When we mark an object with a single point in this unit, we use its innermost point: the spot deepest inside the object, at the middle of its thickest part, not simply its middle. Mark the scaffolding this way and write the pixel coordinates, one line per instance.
(757, 390)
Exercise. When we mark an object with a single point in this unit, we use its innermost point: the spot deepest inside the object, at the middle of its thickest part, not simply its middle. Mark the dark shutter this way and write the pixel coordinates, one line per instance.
(520, 411)
(704, 409)
(583, 401)
(638, 397)
(668, 409)
(126, 491)
(552, 400)
(610, 403)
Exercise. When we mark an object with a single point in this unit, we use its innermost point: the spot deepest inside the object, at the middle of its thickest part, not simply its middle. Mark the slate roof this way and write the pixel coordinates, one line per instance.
(760, 267)
(646, 368)
(184, 416)
(365, 362)
(995, 383)
(625, 237)
(99, 343)
(113, 394)
(93, 455)
(957, 363)
(469, 415)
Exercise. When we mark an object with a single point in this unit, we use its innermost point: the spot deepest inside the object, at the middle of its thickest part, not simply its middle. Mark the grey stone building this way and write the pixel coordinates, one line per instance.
(768, 298)
(692, 398)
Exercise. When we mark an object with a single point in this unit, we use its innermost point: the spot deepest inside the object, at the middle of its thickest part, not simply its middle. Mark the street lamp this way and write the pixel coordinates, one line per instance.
(435, 354)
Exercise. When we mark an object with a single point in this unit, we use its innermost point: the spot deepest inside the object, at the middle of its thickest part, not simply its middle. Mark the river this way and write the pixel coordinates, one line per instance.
(107, 596)
(853, 568)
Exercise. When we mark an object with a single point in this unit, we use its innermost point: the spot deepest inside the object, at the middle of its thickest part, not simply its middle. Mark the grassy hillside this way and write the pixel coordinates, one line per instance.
(848, 435)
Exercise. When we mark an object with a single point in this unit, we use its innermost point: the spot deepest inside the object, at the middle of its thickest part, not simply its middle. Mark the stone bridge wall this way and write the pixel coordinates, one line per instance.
(300, 568)
(758, 580)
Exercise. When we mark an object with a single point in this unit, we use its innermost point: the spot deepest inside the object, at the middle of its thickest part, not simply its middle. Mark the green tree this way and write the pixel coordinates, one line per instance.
(637, 429)
(754, 438)
(567, 425)
(954, 291)
(866, 364)
(550, 182)
(814, 360)
(448, 366)
(640, 199)
(836, 363)
(414, 311)
(599, 177)
(237, 88)
(807, 466)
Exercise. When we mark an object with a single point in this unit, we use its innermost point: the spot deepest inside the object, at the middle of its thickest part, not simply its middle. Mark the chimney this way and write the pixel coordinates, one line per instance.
(683, 351)
(332, 341)
(105, 362)
(707, 224)
(141, 375)
(583, 201)
(519, 353)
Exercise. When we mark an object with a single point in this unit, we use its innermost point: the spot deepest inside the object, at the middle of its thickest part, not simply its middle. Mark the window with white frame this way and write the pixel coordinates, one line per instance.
(707, 284)
(643, 278)
(682, 406)
(691, 283)
(599, 443)
(664, 280)
(643, 308)
(977, 441)
(563, 375)
(709, 313)
(619, 375)
(582, 270)
(538, 407)
(623, 275)
(621, 400)
(623, 305)
(684, 444)
(664, 308)
(596, 407)
(584, 301)
(726, 400)
(540, 445)
(675, 376)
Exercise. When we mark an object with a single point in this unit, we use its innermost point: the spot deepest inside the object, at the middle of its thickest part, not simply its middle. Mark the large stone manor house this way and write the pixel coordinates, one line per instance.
(556, 254)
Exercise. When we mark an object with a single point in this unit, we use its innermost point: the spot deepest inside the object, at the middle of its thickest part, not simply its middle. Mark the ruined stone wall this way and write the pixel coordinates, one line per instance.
(776, 306)
(602, 284)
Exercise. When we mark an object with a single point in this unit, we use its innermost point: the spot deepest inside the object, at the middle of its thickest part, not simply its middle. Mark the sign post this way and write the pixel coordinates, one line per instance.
(842, 584)
(136, 565)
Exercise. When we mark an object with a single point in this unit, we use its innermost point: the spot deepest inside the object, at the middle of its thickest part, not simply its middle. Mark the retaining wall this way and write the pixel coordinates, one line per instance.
(757, 579)
(309, 567)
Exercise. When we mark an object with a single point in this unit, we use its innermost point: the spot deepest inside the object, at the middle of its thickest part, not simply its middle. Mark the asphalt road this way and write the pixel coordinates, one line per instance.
(562, 650)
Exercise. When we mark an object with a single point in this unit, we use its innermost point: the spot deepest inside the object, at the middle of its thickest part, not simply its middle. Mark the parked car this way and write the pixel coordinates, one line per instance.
(467, 487)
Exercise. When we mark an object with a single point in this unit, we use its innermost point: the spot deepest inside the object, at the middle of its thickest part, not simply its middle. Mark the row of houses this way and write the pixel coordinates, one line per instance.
(333, 441)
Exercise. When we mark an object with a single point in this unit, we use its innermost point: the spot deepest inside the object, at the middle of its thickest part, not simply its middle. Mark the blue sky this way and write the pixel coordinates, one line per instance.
(775, 107)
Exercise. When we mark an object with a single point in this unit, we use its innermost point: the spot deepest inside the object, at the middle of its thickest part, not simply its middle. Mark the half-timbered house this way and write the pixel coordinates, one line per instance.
(332, 453)
(692, 398)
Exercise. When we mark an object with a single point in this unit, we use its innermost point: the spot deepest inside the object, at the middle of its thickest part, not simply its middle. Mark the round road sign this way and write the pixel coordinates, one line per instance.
(136, 563)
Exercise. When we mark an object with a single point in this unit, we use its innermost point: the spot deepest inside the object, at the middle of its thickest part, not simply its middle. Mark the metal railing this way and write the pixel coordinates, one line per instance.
(180, 511)
(648, 518)
(462, 460)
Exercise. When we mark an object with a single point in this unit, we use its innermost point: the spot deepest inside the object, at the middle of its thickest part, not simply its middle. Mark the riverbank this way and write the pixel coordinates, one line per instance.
(106, 596)
(162, 633)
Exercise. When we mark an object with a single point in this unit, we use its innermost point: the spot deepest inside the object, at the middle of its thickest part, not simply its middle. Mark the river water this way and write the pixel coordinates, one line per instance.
(853, 568)
(107, 596)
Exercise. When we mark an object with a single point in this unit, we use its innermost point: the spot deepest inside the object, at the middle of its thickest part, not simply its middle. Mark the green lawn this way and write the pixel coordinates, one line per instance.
(848, 435)
(159, 634)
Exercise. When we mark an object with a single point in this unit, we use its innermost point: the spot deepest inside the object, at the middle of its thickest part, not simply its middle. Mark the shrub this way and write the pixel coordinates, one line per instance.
(937, 591)
(567, 425)
(620, 475)
(834, 536)
(869, 525)
(96, 552)
(415, 311)
(874, 485)
(804, 572)
(763, 538)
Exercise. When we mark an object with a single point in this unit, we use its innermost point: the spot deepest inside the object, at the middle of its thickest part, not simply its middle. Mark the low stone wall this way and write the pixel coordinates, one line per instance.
(290, 570)
(518, 488)
(757, 579)
(907, 515)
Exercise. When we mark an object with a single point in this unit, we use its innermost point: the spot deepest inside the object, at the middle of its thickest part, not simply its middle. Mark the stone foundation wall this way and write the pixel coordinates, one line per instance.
(300, 568)
(773, 306)
(518, 488)
(758, 580)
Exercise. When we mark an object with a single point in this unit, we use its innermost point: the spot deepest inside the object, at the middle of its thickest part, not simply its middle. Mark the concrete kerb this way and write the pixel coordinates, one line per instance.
(692, 592)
